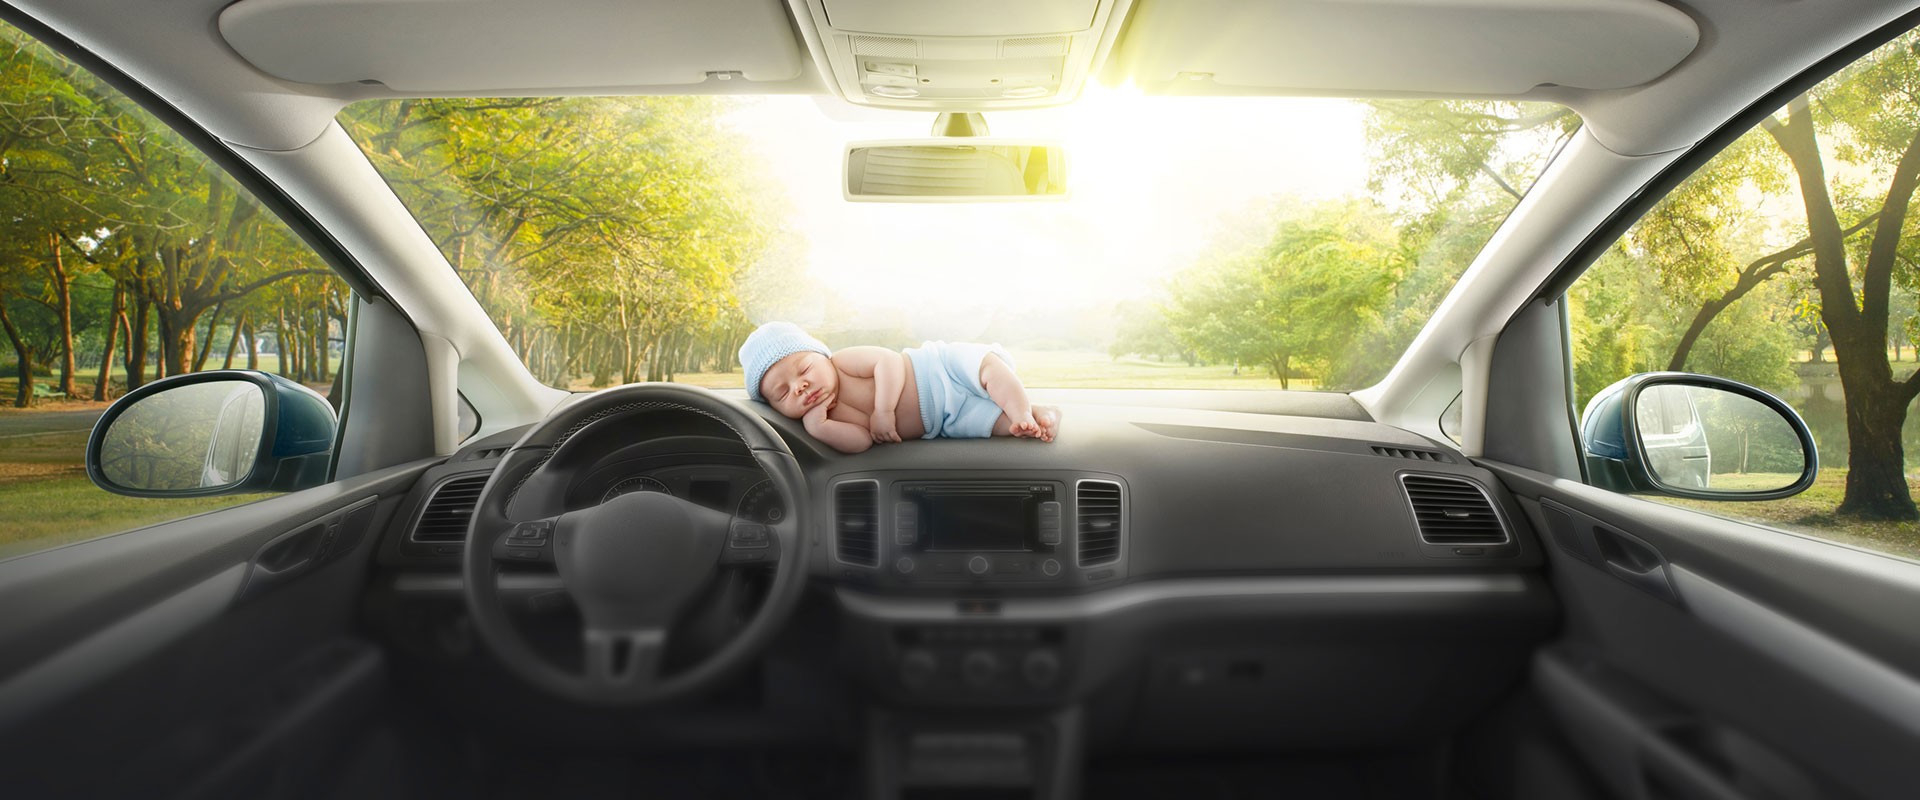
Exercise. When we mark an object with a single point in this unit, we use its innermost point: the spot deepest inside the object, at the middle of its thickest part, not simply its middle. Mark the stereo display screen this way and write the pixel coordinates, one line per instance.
(975, 522)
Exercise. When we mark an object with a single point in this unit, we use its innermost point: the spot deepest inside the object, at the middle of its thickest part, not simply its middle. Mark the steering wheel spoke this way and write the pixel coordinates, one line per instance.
(619, 660)
(527, 542)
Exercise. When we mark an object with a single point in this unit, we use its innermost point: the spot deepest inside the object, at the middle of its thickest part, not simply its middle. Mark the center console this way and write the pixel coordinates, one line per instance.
(967, 701)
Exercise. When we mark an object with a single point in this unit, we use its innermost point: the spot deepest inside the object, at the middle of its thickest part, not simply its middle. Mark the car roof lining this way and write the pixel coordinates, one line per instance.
(179, 49)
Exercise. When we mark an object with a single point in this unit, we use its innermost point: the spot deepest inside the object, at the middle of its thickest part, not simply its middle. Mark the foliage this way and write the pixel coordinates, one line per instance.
(605, 235)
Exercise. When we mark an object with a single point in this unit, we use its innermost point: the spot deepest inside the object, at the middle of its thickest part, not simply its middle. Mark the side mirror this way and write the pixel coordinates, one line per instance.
(1696, 436)
(212, 433)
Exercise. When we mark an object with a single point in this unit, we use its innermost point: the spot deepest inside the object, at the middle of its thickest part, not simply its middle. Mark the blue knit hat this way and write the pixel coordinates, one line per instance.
(770, 343)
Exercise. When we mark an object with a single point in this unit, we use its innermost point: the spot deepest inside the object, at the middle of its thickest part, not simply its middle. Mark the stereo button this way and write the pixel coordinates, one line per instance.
(1050, 523)
(1050, 567)
(978, 565)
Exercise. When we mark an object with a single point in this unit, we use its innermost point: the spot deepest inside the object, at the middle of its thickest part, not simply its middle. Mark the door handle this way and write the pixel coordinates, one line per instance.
(1636, 562)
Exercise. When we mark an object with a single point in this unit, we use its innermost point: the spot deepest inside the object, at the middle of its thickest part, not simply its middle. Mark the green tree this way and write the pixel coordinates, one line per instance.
(1298, 302)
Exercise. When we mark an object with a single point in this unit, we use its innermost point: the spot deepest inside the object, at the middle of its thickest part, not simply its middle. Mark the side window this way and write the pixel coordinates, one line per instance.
(125, 257)
(1789, 263)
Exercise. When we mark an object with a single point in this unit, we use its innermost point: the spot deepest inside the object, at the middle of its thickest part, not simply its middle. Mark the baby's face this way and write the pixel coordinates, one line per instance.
(797, 383)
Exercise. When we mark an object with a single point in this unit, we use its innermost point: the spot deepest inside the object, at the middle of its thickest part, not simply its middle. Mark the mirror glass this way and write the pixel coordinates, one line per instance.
(980, 171)
(198, 436)
(1709, 439)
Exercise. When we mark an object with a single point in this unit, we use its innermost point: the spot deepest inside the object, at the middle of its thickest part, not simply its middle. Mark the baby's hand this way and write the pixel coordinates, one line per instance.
(816, 415)
(881, 425)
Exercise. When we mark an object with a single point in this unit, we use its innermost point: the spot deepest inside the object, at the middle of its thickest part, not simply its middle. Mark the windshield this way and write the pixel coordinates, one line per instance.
(1221, 243)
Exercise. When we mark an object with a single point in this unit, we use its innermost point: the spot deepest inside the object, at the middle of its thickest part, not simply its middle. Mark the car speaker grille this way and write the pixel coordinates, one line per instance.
(856, 523)
(1452, 511)
(449, 510)
(1097, 513)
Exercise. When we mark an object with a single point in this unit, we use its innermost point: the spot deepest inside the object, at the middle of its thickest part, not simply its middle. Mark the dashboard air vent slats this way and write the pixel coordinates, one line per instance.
(1412, 454)
(449, 510)
(856, 523)
(1452, 511)
(1097, 510)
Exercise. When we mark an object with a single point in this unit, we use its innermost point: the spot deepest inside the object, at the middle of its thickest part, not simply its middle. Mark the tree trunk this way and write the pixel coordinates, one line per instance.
(137, 344)
(253, 347)
(177, 337)
(1876, 460)
(63, 308)
(233, 342)
(23, 394)
(103, 387)
(206, 344)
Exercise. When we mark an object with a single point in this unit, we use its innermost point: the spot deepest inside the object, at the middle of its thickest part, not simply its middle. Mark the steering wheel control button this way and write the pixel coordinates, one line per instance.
(904, 566)
(530, 534)
(1050, 568)
(1050, 523)
(906, 524)
(749, 536)
(979, 565)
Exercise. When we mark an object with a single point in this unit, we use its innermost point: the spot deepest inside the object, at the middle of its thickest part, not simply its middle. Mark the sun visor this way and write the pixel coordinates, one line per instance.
(477, 46)
(1468, 47)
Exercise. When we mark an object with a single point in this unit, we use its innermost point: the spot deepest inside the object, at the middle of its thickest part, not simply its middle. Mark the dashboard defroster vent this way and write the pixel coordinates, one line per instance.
(1097, 512)
(449, 509)
(856, 523)
(1412, 454)
(1453, 511)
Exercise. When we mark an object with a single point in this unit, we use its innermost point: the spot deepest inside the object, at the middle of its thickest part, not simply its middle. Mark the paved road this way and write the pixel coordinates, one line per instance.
(18, 424)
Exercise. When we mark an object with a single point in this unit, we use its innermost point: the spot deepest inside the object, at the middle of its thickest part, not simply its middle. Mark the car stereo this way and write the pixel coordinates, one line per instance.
(963, 529)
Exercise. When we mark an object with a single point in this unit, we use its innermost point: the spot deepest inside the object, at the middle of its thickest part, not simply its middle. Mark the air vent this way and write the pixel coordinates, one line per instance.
(887, 46)
(486, 453)
(1413, 455)
(449, 510)
(1097, 509)
(1452, 511)
(856, 523)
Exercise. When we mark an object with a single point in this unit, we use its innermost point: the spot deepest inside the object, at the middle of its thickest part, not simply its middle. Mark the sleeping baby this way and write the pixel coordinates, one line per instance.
(858, 396)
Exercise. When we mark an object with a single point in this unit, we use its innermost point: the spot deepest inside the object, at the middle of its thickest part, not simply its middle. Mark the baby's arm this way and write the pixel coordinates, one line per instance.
(889, 379)
(845, 437)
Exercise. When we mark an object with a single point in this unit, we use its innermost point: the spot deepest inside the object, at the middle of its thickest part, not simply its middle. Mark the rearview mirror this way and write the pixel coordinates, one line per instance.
(212, 433)
(955, 170)
(1696, 436)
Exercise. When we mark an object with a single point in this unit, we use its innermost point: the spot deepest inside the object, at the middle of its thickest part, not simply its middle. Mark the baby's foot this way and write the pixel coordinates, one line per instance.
(1047, 420)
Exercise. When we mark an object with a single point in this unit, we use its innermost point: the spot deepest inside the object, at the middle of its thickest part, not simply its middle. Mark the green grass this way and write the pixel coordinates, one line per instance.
(44, 512)
(1811, 513)
(45, 497)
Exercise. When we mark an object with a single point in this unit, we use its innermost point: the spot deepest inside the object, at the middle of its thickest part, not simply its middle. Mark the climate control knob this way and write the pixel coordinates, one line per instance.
(978, 565)
(1041, 668)
(917, 668)
(979, 667)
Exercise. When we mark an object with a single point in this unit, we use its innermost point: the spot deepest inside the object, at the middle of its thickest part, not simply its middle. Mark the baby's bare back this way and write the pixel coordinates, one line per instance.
(856, 402)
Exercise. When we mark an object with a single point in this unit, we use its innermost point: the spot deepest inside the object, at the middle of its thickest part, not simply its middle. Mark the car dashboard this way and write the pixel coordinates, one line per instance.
(1176, 579)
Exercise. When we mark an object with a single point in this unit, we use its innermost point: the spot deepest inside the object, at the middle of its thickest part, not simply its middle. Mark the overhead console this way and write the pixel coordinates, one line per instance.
(936, 55)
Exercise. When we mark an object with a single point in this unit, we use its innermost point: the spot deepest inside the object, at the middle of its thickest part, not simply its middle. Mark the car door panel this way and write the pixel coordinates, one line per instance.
(1704, 657)
(211, 655)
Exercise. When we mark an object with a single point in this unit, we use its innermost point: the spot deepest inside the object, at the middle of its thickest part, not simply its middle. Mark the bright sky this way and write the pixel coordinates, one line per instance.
(1152, 179)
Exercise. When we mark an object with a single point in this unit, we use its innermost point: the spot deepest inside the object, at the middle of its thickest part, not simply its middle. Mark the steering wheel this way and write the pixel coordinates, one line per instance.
(633, 563)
